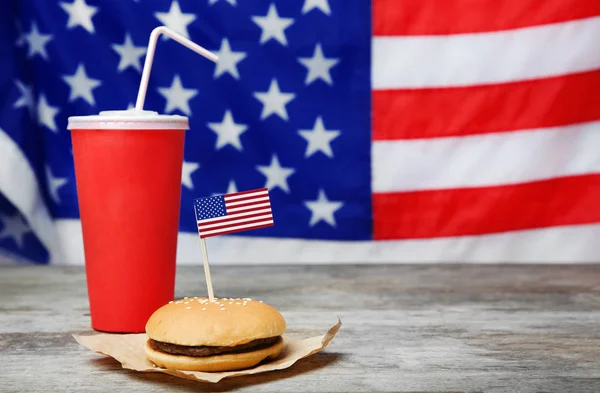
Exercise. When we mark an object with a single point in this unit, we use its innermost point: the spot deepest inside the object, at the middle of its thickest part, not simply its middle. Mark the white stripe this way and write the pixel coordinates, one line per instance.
(486, 160)
(575, 244)
(258, 193)
(204, 227)
(205, 233)
(19, 185)
(237, 209)
(237, 215)
(468, 59)
(253, 200)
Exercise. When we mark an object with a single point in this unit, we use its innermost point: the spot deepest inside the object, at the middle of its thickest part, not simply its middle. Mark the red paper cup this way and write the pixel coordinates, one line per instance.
(128, 173)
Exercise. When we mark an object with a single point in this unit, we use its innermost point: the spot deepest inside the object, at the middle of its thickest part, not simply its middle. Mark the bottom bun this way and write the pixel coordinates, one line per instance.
(225, 362)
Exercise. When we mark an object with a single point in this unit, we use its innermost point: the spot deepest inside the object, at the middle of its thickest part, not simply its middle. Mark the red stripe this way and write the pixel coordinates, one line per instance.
(248, 198)
(236, 230)
(246, 192)
(429, 17)
(473, 211)
(251, 210)
(229, 219)
(440, 112)
(228, 225)
(265, 199)
(254, 205)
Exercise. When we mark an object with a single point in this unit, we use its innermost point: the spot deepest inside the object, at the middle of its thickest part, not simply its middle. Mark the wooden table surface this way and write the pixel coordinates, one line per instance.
(405, 328)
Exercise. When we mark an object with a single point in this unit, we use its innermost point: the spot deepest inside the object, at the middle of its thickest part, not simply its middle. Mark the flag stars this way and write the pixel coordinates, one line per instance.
(15, 228)
(37, 42)
(319, 139)
(322, 5)
(80, 14)
(26, 100)
(231, 2)
(318, 66)
(276, 175)
(186, 173)
(46, 114)
(228, 60)
(274, 101)
(175, 19)
(228, 132)
(323, 209)
(232, 188)
(130, 54)
(54, 184)
(178, 97)
(273, 26)
(82, 85)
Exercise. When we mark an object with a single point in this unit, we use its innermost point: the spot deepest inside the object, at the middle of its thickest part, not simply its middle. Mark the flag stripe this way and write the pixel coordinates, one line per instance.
(238, 228)
(473, 211)
(429, 17)
(231, 224)
(246, 202)
(485, 58)
(486, 160)
(549, 102)
(566, 244)
(246, 194)
(245, 207)
(233, 220)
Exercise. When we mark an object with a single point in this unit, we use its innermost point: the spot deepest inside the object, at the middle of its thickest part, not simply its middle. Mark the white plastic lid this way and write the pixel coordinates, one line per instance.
(131, 119)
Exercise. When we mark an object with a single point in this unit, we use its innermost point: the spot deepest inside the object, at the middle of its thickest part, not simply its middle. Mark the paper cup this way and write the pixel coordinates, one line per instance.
(128, 173)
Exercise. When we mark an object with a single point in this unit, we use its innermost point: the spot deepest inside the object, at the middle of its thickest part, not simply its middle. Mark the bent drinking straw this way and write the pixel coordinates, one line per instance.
(150, 57)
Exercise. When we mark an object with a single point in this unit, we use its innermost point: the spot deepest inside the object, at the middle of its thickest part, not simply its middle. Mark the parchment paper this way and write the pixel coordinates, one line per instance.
(128, 349)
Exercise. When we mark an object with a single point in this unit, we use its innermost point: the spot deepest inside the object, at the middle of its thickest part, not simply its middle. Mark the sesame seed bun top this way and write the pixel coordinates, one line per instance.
(224, 322)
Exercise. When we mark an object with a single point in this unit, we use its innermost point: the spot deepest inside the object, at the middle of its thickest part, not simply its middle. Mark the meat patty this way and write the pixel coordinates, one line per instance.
(199, 351)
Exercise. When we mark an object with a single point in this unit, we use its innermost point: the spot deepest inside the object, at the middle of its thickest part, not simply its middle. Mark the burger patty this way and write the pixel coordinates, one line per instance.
(199, 351)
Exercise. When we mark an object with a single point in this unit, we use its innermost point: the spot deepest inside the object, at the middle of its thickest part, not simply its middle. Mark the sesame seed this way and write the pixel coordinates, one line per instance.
(223, 309)
(177, 302)
(204, 309)
(185, 297)
(188, 308)
(186, 302)
(238, 303)
(170, 302)
(260, 301)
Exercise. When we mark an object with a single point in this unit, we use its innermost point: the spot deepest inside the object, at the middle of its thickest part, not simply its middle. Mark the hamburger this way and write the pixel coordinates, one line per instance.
(227, 334)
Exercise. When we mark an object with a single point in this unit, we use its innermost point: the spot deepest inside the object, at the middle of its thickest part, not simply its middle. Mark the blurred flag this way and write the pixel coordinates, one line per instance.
(390, 130)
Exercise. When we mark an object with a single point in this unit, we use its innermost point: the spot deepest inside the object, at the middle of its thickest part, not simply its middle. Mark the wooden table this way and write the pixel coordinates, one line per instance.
(405, 328)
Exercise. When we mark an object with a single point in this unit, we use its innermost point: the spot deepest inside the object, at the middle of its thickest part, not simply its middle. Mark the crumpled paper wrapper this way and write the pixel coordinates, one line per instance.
(128, 349)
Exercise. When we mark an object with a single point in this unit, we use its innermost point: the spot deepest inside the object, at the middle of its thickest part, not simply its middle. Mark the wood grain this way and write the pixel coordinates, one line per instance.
(421, 328)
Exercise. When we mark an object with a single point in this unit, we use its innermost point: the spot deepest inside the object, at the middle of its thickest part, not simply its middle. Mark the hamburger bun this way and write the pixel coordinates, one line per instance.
(195, 334)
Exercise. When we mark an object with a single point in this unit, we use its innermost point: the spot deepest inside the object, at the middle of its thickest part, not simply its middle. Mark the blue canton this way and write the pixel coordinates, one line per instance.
(210, 207)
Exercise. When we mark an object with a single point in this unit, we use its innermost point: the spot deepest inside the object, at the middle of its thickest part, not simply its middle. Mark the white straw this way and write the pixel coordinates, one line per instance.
(150, 57)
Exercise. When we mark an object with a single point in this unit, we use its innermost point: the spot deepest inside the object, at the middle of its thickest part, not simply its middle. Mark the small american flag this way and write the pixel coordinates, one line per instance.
(233, 212)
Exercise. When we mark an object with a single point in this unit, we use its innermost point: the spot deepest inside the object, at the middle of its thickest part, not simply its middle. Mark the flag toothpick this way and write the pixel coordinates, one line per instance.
(230, 213)
(209, 287)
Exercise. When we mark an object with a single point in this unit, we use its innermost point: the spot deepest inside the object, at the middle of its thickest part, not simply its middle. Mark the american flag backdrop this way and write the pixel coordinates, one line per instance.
(384, 130)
